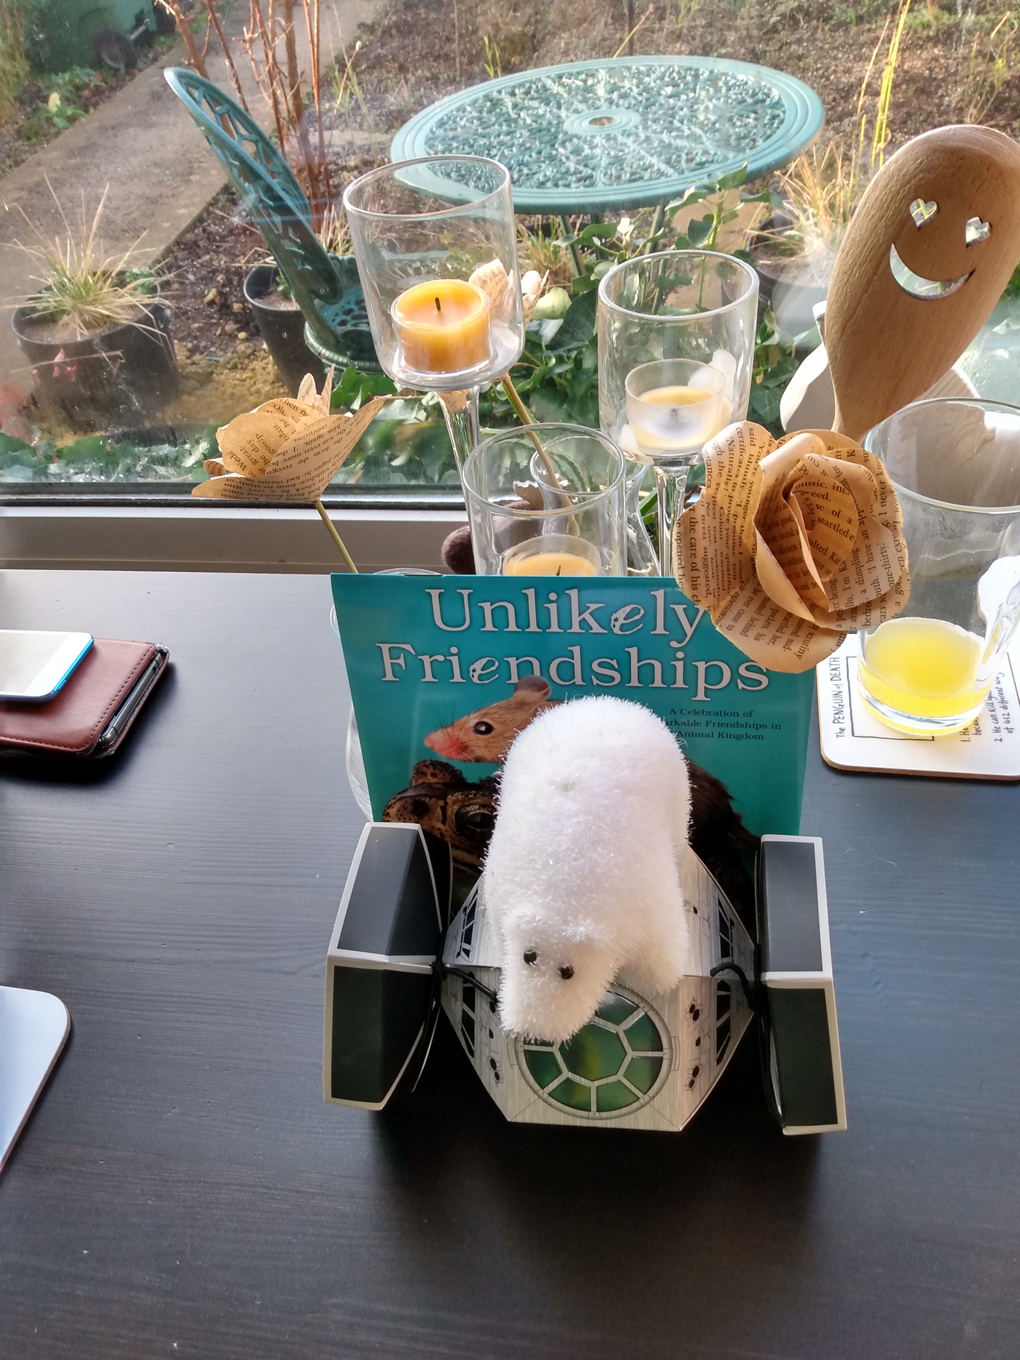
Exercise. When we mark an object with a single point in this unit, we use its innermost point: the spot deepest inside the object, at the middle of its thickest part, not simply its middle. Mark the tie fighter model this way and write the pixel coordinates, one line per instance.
(396, 958)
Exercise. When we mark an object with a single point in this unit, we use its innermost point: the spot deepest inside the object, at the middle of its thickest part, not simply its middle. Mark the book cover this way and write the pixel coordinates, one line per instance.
(445, 670)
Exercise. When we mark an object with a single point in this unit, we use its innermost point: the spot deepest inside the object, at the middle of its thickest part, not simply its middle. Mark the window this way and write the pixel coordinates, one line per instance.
(144, 307)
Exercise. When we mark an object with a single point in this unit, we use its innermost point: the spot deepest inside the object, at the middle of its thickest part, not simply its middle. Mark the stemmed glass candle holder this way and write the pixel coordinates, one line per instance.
(955, 465)
(436, 245)
(547, 500)
(676, 355)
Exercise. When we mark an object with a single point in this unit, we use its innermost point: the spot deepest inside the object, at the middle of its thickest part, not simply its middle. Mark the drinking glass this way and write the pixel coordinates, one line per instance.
(668, 323)
(955, 465)
(355, 760)
(547, 500)
(421, 229)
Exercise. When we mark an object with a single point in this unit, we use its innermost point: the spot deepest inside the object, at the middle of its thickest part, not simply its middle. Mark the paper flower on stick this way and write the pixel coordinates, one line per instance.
(791, 545)
(287, 449)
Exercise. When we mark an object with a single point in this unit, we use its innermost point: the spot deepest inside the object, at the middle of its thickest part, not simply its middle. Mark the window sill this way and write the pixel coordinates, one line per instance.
(205, 536)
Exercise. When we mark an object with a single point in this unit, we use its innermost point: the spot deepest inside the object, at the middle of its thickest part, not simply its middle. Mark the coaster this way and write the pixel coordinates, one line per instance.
(851, 739)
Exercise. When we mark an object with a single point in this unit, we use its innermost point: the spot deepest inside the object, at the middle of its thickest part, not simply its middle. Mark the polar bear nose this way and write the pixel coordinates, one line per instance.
(566, 972)
(530, 955)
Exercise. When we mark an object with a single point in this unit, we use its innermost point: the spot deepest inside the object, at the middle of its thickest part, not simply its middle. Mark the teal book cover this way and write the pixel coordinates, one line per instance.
(445, 670)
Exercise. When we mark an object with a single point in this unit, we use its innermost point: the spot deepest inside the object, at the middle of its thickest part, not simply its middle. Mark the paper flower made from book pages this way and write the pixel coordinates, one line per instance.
(791, 545)
(287, 449)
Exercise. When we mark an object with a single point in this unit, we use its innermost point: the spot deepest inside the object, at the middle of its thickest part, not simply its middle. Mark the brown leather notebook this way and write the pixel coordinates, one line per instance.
(93, 712)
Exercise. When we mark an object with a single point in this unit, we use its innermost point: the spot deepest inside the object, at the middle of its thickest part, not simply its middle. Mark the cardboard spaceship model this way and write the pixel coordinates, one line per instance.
(396, 958)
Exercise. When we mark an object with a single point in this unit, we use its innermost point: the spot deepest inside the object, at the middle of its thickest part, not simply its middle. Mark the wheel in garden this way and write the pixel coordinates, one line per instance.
(115, 49)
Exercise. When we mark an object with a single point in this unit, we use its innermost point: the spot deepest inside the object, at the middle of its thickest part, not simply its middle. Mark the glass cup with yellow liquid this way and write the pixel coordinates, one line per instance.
(955, 464)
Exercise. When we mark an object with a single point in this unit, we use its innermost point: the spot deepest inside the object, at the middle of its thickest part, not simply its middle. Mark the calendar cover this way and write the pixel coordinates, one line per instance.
(446, 670)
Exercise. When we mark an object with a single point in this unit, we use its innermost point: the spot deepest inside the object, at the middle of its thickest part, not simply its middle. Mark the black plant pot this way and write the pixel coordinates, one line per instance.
(118, 374)
(283, 329)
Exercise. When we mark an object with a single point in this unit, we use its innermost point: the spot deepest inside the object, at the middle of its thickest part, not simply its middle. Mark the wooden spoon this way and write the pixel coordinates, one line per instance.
(924, 261)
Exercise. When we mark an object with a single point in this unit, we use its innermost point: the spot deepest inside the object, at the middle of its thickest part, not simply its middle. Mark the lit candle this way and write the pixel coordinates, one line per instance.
(674, 417)
(443, 326)
(552, 555)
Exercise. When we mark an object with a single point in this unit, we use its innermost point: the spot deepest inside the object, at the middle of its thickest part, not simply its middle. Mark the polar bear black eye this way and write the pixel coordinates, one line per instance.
(530, 955)
(566, 972)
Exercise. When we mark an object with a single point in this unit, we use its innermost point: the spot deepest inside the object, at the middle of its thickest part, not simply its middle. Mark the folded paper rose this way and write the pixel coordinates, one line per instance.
(792, 544)
(286, 449)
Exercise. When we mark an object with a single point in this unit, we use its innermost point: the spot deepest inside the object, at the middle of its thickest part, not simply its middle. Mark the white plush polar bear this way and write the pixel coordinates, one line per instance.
(581, 880)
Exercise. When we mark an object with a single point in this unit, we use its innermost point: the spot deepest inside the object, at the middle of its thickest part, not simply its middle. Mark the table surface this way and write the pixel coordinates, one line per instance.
(629, 132)
(182, 1189)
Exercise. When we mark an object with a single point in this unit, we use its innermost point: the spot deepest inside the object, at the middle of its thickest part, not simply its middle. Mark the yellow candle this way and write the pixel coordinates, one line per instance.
(676, 395)
(549, 564)
(552, 555)
(923, 667)
(677, 423)
(443, 326)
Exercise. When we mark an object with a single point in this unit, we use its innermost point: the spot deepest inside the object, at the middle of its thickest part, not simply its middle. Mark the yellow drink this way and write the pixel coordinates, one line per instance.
(924, 668)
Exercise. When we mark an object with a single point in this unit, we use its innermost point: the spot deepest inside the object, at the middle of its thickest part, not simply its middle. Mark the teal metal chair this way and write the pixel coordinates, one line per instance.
(326, 287)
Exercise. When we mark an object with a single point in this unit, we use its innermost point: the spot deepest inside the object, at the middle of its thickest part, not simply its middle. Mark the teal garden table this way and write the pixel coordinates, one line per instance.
(630, 132)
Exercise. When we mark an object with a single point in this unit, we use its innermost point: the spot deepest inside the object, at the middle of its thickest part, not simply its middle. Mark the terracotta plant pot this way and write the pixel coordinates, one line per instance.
(120, 374)
(283, 328)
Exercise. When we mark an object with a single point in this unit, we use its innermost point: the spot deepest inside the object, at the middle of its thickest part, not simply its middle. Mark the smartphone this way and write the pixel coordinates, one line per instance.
(34, 665)
(118, 725)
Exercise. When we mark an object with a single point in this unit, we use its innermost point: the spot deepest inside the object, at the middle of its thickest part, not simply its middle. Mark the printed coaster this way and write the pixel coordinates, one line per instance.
(851, 739)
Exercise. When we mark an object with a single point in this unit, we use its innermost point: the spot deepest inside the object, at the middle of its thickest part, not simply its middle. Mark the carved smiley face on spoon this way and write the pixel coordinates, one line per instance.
(926, 257)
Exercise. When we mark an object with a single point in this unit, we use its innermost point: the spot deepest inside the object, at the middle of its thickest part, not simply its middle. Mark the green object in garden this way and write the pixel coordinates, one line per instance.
(630, 132)
(326, 287)
(61, 34)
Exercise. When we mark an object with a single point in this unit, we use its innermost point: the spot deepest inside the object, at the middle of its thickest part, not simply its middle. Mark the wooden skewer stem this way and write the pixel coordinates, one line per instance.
(524, 415)
(336, 537)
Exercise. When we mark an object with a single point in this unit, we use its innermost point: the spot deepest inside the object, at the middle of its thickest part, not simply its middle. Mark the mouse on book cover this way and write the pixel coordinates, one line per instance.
(718, 835)
(450, 807)
(583, 873)
(488, 733)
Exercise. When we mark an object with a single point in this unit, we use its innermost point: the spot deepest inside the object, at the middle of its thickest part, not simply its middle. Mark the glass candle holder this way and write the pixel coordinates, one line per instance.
(436, 245)
(547, 500)
(674, 406)
(686, 312)
(955, 465)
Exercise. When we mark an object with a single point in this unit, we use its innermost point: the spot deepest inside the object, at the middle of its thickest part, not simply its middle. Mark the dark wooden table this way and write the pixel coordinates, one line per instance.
(182, 1190)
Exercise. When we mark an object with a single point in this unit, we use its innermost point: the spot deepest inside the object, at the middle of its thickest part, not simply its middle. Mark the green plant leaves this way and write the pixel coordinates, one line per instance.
(701, 230)
(578, 324)
(355, 388)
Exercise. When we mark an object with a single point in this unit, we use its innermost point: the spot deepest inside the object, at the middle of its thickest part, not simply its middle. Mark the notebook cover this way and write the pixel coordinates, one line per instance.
(74, 719)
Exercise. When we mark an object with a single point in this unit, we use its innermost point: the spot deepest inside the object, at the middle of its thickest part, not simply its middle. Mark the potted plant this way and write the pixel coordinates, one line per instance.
(795, 249)
(95, 333)
(280, 319)
(281, 325)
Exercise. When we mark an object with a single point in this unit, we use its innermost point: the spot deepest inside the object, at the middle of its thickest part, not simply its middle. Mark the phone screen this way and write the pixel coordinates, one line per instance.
(35, 665)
